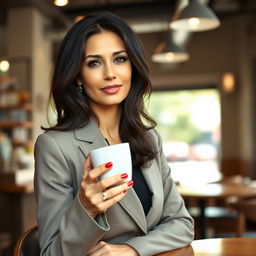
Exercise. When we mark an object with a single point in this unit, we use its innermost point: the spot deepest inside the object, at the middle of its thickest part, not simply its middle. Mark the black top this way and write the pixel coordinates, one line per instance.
(141, 188)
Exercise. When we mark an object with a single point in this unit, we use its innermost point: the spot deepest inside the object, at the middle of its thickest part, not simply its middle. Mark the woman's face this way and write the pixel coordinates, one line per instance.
(106, 71)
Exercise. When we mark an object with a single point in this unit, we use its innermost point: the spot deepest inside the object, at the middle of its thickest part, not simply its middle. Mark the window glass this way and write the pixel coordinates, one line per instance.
(189, 124)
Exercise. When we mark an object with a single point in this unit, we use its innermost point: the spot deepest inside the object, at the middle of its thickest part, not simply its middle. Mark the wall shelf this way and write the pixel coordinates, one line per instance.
(12, 124)
(26, 106)
(22, 143)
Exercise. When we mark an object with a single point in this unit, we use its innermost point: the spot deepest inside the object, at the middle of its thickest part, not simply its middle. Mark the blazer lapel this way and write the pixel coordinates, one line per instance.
(133, 207)
(88, 138)
(153, 180)
(91, 135)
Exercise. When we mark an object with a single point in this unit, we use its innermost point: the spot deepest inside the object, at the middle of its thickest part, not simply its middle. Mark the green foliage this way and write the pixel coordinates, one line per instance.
(172, 110)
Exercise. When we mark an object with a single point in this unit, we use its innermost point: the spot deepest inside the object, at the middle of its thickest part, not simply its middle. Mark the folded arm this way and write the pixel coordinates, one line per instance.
(65, 228)
(176, 227)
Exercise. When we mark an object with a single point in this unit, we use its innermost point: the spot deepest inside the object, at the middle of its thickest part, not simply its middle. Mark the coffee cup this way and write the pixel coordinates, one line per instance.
(118, 154)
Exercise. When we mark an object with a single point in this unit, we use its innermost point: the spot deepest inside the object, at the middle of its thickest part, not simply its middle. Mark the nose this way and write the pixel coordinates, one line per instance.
(109, 72)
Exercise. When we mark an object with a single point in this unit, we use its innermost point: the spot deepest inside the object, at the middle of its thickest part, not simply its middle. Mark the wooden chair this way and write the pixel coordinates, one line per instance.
(5, 243)
(246, 209)
(28, 244)
(220, 216)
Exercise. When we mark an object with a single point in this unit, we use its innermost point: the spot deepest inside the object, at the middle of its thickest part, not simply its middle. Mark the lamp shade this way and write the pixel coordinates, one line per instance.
(4, 65)
(61, 2)
(195, 17)
(169, 52)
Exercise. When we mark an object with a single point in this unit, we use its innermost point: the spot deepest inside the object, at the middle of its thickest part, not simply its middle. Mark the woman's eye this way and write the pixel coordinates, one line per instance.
(120, 59)
(93, 63)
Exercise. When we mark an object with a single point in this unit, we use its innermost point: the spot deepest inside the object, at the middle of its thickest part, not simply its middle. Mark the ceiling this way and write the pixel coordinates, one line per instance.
(134, 11)
(133, 7)
(127, 9)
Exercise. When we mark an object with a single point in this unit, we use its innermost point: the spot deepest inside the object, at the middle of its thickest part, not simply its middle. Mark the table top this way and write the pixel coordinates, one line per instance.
(217, 190)
(14, 188)
(217, 247)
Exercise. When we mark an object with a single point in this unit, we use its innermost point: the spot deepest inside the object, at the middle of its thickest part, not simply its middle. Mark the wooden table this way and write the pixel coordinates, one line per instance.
(216, 190)
(17, 207)
(217, 247)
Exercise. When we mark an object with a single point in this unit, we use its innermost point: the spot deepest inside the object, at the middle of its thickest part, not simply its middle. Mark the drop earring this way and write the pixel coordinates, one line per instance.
(79, 87)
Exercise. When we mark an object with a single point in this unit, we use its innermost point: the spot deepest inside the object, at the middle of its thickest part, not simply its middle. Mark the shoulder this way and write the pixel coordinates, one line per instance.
(59, 135)
(55, 138)
(155, 138)
(153, 134)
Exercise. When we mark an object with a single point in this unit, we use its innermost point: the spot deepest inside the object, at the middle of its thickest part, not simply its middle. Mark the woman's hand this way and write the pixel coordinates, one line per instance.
(98, 195)
(105, 249)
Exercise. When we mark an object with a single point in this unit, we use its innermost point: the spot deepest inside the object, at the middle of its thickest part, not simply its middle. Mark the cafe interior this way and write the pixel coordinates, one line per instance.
(202, 59)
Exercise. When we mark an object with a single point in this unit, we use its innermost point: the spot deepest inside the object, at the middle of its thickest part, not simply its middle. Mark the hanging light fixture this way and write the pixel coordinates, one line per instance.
(61, 2)
(195, 17)
(4, 65)
(169, 52)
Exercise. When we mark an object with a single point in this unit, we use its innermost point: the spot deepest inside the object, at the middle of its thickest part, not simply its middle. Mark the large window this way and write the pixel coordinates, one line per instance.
(189, 124)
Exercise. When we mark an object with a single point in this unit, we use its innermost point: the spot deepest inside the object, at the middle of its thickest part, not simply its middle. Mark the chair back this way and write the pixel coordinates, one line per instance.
(28, 244)
(247, 207)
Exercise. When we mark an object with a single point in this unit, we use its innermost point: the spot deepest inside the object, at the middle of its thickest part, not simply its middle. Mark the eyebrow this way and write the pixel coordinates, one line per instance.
(99, 56)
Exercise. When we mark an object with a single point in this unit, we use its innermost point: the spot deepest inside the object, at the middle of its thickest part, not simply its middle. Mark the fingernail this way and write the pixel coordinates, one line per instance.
(124, 176)
(130, 183)
(124, 191)
(109, 164)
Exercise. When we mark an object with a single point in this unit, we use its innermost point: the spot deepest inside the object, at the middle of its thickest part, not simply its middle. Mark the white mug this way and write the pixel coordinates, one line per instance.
(118, 154)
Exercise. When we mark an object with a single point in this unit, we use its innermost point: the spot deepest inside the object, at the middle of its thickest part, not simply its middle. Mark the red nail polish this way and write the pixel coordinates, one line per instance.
(109, 164)
(124, 191)
(124, 176)
(130, 183)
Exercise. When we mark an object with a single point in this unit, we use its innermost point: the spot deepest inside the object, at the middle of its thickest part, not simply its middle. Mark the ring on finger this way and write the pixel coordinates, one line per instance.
(104, 196)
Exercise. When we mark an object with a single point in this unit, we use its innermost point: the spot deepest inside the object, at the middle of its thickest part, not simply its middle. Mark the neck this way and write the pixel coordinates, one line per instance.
(109, 121)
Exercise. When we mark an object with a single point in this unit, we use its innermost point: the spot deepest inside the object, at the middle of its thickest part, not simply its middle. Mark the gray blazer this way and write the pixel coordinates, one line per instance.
(66, 229)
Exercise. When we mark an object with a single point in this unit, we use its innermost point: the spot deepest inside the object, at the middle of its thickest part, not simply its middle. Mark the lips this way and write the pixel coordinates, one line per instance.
(111, 89)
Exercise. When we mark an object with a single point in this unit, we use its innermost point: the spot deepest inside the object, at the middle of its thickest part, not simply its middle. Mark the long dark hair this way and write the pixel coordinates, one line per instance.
(72, 107)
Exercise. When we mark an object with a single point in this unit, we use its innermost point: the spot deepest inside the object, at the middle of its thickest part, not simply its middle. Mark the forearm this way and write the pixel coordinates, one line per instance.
(65, 228)
(77, 232)
(164, 237)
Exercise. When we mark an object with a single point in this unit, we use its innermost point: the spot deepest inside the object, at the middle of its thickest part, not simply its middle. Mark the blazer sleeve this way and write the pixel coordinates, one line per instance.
(64, 226)
(176, 227)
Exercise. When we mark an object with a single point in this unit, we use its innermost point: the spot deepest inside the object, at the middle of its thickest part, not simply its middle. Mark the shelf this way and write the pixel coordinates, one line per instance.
(26, 106)
(17, 176)
(21, 142)
(14, 188)
(12, 124)
(8, 90)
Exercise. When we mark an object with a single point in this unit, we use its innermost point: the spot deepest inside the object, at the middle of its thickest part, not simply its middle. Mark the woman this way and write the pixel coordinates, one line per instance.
(98, 86)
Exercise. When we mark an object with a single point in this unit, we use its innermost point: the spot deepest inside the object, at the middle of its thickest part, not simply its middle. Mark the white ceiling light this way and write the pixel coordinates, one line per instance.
(169, 52)
(4, 65)
(60, 2)
(195, 17)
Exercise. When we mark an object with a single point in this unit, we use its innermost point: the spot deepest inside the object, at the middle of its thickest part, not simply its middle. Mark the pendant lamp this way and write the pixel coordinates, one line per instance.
(4, 65)
(195, 17)
(169, 52)
(61, 2)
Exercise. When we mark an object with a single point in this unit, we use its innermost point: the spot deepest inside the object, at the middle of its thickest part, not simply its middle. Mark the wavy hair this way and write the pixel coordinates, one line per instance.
(73, 108)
